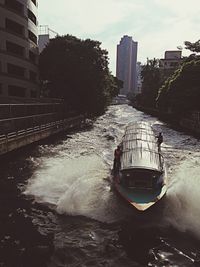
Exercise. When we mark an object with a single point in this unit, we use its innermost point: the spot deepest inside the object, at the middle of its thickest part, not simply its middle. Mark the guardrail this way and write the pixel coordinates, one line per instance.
(20, 110)
(18, 123)
(16, 139)
(28, 131)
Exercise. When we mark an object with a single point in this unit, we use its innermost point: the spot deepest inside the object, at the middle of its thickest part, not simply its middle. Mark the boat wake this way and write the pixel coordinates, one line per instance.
(72, 177)
(78, 186)
(182, 209)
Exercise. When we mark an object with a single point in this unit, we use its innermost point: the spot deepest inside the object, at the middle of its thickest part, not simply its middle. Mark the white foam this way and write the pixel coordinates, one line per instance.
(183, 198)
(76, 187)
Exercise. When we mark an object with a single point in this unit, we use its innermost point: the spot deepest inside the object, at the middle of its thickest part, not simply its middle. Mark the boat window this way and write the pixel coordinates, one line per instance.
(140, 178)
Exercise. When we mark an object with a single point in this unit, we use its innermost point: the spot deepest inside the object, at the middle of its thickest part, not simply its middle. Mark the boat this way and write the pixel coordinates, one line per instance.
(141, 177)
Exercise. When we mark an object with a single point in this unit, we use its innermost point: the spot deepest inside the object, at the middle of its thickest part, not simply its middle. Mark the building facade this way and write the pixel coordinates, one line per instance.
(139, 78)
(126, 65)
(18, 49)
(170, 62)
(45, 35)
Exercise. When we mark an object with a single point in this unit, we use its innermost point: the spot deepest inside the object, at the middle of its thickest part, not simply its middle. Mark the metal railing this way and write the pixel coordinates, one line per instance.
(58, 126)
(22, 133)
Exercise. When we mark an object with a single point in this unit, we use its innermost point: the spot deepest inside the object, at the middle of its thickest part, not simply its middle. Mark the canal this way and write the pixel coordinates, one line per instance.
(58, 207)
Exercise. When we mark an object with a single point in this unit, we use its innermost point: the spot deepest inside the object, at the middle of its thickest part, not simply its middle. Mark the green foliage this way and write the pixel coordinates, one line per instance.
(194, 47)
(77, 70)
(181, 92)
(151, 83)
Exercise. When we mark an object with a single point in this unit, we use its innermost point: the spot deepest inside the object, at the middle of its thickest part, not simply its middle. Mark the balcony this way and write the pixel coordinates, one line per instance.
(32, 17)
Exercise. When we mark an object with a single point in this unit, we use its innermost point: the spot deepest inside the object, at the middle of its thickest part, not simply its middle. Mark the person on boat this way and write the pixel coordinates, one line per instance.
(117, 156)
(159, 141)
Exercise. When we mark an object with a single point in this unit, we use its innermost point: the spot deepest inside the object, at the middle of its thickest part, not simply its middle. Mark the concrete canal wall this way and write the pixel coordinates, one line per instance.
(23, 124)
(191, 122)
(17, 139)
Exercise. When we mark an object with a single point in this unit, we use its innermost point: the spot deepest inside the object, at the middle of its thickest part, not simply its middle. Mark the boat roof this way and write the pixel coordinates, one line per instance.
(139, 148)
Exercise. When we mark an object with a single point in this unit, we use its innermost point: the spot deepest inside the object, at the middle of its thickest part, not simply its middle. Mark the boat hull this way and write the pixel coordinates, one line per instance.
(140, 177)
(140, 199)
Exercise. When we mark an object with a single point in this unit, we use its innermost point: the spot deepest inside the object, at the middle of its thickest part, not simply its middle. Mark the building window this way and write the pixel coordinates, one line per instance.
(14, 27)
(32, 57)
(33, 76)
(173, 64)
(14, 90)
(14, 49)
(32, 17)
(34, 2)
(32, 37)
(15, 5)
(15, 70)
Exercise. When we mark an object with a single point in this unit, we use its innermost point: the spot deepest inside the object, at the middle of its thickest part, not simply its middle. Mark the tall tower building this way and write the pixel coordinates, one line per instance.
(18, 49)
(126, 64)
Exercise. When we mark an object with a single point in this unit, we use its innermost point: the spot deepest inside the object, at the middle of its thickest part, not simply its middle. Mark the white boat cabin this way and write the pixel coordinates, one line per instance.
(141, 162)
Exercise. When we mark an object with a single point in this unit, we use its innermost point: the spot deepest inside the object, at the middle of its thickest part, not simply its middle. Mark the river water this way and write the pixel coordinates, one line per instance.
(58, 207)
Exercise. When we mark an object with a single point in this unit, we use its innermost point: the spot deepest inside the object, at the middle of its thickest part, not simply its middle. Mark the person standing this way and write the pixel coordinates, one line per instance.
(117, 157)
(159, 141)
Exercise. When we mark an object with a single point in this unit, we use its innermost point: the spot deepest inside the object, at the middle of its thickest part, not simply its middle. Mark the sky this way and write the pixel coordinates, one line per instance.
(157, 25)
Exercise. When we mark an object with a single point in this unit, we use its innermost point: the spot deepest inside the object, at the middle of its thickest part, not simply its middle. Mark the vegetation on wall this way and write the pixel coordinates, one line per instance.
(181, 92)
(77, 71)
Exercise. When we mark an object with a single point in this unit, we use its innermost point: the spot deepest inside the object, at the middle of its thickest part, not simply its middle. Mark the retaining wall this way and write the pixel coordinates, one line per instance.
(192, 122)
(17, 139)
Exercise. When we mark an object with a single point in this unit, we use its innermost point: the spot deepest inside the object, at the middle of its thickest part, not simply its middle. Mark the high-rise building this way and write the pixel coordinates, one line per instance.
(18, 49)
(126, 64)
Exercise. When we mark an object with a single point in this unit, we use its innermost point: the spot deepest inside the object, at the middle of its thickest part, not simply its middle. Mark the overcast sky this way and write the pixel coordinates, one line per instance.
(157, 25)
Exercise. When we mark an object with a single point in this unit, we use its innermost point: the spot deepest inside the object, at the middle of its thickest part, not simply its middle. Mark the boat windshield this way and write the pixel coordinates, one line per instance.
(141, 178)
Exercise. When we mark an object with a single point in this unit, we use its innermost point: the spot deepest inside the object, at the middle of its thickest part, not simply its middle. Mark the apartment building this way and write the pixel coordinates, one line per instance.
(171, 62)
(18, 49)
(126, 65)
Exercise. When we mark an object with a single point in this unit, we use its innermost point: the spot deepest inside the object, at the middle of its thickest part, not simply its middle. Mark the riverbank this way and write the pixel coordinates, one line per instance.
(190, 123)
(20, 138)
(24, 123)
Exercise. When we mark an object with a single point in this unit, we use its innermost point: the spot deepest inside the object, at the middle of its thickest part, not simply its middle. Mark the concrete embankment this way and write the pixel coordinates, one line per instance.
(190, 123)
(25, 123)
(21, 138)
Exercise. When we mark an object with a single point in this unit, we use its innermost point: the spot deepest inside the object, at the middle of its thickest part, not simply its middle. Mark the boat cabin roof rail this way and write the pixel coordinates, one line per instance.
(139, 168)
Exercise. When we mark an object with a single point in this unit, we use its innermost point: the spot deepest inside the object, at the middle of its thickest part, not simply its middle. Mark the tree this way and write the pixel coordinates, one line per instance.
(77, 70)
(151, 83)
(194, 47)
(181, 92)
